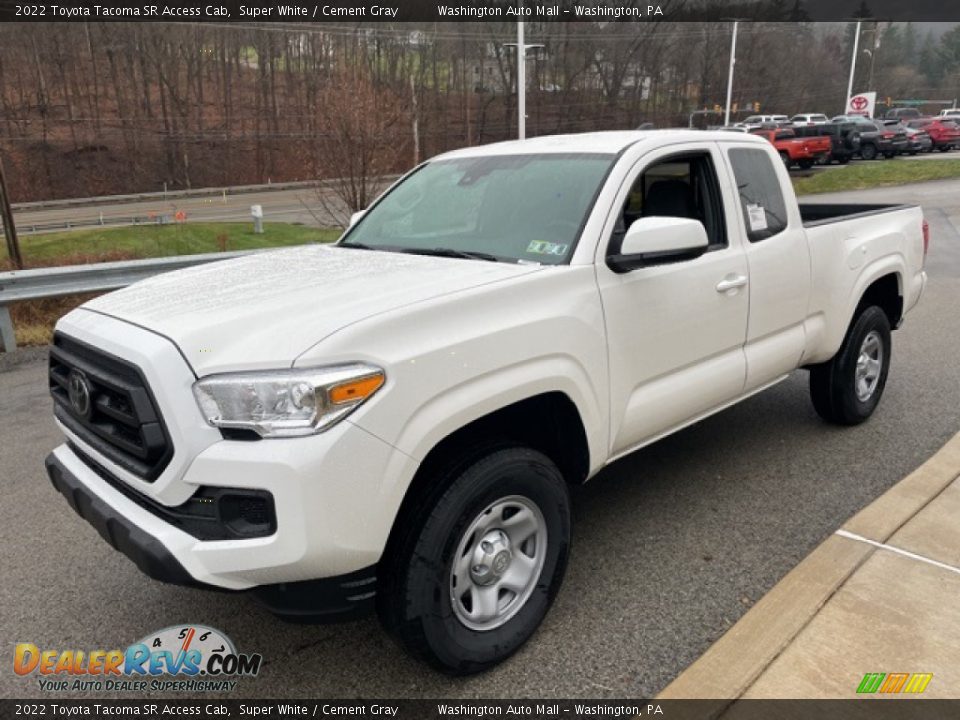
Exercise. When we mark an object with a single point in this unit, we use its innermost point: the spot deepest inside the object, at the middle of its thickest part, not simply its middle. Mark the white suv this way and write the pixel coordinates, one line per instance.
(807, 119)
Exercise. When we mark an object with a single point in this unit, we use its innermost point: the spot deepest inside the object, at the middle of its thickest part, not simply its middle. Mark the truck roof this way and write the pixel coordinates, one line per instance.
(611, 142)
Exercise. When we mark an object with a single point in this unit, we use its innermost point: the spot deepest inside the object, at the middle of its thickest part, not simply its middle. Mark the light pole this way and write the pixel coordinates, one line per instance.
(733, 61)
(853, 66)
(522, 48)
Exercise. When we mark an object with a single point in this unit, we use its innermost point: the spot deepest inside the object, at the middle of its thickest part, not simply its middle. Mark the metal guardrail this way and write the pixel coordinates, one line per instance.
(20, 285)
(112, 221)
(168, 195)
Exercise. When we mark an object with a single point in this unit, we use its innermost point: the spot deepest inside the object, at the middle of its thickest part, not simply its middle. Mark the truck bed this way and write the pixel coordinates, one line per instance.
(814, 214)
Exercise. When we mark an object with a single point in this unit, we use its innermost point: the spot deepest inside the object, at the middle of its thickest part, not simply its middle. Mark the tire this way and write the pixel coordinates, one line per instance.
(805, 164)
(889, 155)
(785, 159)
(844, 390)
(944, 148)
(843, 159)
(868, 151)
(418, 600)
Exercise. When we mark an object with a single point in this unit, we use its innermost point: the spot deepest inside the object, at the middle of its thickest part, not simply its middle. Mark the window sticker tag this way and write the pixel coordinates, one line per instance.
(757, 217)
(541, 247)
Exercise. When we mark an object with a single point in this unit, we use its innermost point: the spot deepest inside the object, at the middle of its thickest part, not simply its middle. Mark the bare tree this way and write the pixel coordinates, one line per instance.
(362, 138)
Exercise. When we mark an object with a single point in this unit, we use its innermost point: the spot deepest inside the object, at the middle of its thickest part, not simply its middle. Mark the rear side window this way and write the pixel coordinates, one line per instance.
(761, 199)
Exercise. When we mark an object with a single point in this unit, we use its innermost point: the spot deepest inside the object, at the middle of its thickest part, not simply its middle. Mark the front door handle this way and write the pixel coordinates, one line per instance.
(731, 283)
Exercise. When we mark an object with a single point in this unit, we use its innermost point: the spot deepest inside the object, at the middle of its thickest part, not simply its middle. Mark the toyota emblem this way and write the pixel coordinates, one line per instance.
(78, 388)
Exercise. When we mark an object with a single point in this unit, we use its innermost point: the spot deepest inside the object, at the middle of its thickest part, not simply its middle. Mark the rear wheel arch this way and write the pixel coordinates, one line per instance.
(886, 292)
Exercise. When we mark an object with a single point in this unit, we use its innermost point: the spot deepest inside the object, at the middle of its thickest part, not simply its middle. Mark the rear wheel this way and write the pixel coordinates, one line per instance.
(868, 151)
(785, 159)
(846, 389)
(805, 164)
(471, 578)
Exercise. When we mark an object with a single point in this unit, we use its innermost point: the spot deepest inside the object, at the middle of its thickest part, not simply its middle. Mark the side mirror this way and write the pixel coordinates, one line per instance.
(657, 241)
(355, 218)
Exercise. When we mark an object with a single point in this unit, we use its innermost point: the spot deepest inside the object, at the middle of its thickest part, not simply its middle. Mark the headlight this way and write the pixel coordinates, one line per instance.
(286, 403)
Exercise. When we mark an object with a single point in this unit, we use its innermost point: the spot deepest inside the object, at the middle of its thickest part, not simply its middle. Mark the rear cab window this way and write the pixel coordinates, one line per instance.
(761, 196)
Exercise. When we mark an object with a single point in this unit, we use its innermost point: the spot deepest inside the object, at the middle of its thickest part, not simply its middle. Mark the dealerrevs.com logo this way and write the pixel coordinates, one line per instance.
(187, 658)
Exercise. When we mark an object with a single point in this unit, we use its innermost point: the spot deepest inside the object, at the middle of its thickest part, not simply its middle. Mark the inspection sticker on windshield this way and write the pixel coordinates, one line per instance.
(757, 217)
(541, 247)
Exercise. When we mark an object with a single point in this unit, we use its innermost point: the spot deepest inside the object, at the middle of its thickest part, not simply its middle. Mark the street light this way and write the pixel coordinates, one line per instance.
(522, 48)
(733, 61)
(853, 65)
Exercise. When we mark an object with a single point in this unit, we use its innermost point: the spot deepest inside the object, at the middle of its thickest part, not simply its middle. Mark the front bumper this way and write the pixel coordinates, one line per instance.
(332, 498)
(328, 599)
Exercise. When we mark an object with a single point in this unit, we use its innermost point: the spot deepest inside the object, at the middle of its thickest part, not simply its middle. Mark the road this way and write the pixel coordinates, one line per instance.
(671, 545)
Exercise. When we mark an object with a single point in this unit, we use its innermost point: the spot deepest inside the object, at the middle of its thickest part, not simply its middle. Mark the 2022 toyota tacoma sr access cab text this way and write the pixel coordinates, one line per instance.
(394, 421)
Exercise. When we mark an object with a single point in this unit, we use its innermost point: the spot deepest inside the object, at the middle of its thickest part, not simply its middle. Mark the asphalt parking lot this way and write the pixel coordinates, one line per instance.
(671, 545)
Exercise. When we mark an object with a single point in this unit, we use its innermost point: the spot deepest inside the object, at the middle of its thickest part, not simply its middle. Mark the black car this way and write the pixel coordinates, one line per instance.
(874, 139)
(844, 139)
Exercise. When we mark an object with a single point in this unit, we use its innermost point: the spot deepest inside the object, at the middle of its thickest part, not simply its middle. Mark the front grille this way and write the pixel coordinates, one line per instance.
(107, 403)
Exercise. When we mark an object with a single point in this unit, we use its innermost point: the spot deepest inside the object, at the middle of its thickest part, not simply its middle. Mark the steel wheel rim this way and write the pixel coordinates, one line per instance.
(498, 563)
(869, 365)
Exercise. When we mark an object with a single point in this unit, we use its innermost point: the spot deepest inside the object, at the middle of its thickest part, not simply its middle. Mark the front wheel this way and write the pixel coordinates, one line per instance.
(470, 578)
(868, 152)
(846, 389)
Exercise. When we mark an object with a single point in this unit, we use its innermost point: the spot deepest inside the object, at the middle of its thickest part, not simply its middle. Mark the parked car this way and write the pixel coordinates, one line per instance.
(808, 119)
(756, 122)
(395, 421)
(908, 113)
(844, 139)
(874, 141)
(945, 134)
(918, 139)
(950, 114)
(804, 152)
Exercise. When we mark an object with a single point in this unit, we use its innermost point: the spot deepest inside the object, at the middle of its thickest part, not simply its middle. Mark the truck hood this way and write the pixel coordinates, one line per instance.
(263, 310)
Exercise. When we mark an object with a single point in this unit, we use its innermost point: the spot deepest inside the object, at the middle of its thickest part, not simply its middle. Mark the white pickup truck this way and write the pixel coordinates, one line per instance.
(393, 421)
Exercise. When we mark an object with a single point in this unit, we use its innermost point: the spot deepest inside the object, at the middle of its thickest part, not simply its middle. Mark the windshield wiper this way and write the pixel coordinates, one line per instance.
(356, 245)
(451, 252)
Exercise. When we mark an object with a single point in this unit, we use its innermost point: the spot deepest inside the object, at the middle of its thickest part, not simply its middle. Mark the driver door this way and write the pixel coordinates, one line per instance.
(675, 331)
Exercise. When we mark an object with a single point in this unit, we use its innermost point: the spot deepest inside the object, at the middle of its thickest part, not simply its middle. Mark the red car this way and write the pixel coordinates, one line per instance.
(802, 151)
(945, 134)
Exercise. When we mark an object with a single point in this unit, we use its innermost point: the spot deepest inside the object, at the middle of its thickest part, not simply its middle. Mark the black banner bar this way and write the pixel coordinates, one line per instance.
(371, 11)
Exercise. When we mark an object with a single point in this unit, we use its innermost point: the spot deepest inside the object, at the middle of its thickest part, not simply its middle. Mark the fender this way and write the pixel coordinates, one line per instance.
(476, 397)
(832, 332)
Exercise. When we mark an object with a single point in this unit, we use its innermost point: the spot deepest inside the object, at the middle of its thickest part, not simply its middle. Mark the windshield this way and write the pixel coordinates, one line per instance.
(503, 207)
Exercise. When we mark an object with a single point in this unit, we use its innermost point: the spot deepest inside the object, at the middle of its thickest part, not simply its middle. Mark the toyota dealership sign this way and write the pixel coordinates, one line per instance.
(862, 104)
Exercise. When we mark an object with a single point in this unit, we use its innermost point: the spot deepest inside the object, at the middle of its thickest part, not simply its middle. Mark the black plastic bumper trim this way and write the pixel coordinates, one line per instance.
(146, 551)
(332, 599)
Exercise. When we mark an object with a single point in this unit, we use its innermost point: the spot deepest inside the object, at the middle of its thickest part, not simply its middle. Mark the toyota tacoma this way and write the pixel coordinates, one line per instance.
(393, 422)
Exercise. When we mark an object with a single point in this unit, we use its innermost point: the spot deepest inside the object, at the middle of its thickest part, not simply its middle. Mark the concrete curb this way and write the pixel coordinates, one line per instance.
(736, 660)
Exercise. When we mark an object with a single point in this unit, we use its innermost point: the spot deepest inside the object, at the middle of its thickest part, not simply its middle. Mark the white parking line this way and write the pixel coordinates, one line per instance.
(899, 551)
